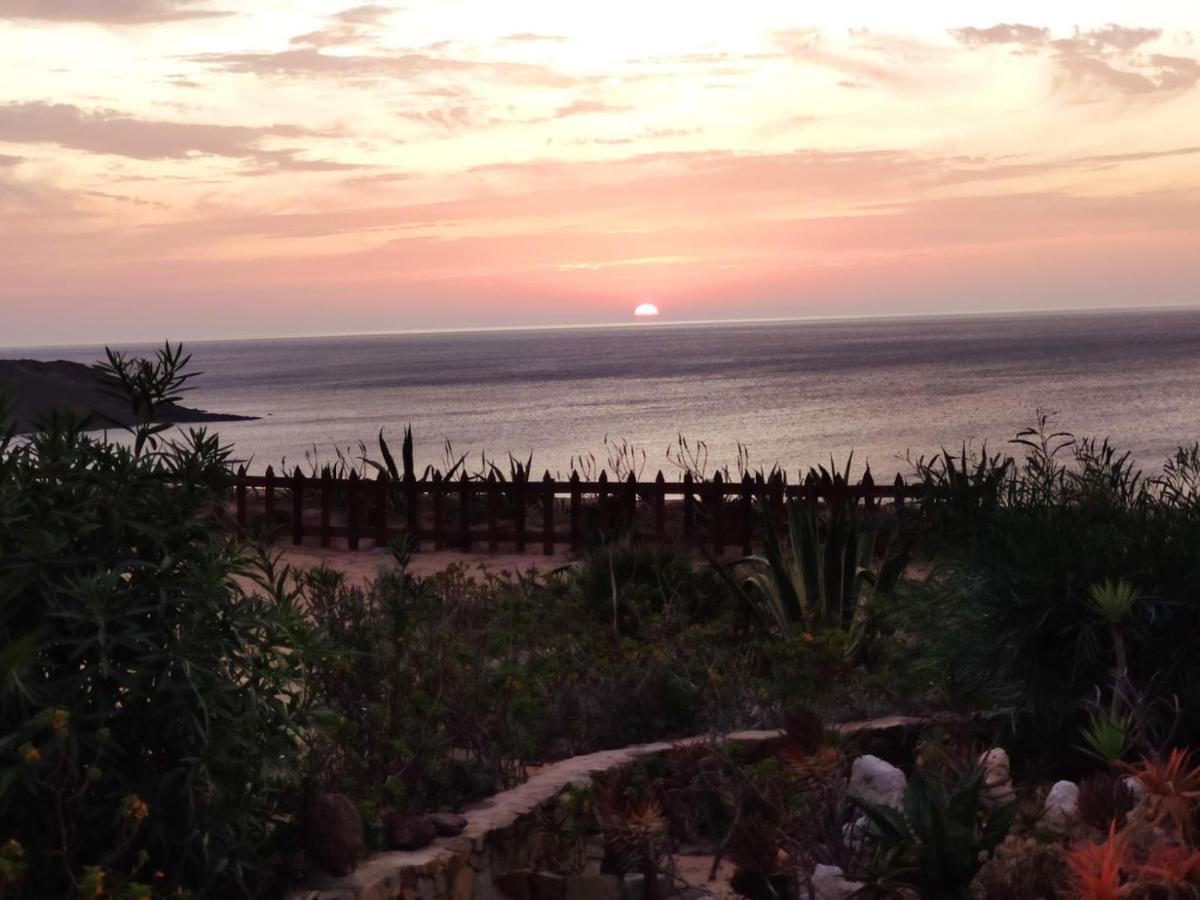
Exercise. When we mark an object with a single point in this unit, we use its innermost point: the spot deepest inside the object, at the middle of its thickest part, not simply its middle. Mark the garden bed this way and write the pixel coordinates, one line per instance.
(500, 840)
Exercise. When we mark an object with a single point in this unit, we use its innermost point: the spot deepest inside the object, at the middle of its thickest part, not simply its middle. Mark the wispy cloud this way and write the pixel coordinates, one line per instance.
(529, 37)
(354, 26)
(309, 62)
(109, 12)
(108, 131)
(1097, 63)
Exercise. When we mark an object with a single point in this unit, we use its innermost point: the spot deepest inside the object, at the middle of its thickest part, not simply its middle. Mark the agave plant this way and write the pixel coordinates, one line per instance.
(942, 830)
(829, 577)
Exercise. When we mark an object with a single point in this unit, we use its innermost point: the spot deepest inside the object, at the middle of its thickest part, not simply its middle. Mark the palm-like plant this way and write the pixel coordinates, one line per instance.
(830, 575)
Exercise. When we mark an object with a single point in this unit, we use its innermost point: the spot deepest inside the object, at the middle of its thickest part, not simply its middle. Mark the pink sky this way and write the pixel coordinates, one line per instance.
(187, 168)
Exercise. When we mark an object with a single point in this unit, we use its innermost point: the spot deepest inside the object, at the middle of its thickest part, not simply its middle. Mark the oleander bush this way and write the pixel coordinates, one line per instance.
(149, 706)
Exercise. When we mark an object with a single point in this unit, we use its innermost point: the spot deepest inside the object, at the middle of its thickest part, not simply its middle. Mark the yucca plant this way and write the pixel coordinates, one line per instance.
(830, 575)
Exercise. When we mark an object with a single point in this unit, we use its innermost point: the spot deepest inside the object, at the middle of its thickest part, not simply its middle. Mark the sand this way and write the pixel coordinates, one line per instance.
(363, 565)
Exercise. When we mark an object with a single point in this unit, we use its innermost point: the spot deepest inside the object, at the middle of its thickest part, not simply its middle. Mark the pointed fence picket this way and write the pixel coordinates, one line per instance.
(717, 512)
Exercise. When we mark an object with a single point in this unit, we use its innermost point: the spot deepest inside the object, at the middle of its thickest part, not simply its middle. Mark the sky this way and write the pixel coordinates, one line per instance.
(223, 168)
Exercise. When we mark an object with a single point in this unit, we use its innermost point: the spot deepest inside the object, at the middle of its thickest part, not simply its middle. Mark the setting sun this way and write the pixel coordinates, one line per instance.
(646, 309)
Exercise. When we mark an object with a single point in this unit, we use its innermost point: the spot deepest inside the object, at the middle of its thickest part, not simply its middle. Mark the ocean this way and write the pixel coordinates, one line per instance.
(795, 393)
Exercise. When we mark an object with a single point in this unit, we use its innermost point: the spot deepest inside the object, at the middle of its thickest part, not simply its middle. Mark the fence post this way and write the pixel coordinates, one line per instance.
(352, 510)
(576, 502)
(689, 506)
(518, 497)
(439, 526)
(775, 490)
(747, 514)
(547, 514)
(899, 498)
(867, 485)
(630, 499)
(490, 499)
(269, 500)
(716, 493)
(412, 517)
(660, 509)
(241, 499)
(602, 500)
(298, 507)
(326, 499)
(382, 493)
(464, 512)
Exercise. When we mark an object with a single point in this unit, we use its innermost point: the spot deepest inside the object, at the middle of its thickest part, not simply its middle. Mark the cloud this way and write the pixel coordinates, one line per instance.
(108, 12)
(588, 108)
(1157, 74)
(1026, 35)
(356, 25)
(309, 62)
(528, 37)
(1097, 63)
(10, 161)
(869, 66)
(1111, 37)
(108, 131)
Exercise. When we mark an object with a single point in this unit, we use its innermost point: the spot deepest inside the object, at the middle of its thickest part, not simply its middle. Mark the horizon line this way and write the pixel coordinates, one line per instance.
(638, 324)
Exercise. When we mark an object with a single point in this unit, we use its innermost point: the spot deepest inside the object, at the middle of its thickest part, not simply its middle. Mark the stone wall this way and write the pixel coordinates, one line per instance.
(491, 859)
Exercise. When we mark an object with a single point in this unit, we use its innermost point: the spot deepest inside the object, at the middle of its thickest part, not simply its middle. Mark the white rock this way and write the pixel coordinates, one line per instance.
(829, 883)
(997, 778)
(876, 781)
(1061, 811)
(1136, 789)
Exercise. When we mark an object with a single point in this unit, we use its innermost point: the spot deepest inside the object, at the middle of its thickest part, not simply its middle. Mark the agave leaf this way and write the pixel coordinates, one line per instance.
(386, 453)
(891, 823)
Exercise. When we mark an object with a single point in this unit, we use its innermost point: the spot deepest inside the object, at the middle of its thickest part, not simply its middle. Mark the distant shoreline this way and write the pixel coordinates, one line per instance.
(38, 387)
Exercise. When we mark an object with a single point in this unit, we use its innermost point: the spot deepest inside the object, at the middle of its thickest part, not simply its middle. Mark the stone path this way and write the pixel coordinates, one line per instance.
(457, 868)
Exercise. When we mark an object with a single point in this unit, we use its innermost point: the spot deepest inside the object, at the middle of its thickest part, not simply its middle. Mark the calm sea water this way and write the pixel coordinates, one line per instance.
(794, 393)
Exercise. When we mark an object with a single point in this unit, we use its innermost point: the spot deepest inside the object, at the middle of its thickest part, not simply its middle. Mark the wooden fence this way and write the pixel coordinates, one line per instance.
(473, 513)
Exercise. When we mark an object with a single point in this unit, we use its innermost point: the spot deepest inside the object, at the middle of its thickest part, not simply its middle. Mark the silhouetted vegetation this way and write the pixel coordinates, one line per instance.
(170, 696)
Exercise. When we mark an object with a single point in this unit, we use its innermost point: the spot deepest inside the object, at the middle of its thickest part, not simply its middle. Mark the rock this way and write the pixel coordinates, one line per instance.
(635, 886)
(448, 824)
(594, 887)
(829, 883)
(333, 833)
(1136, 789)
(997, 779)
(1061, 811)
(408, 832)
(875, 781)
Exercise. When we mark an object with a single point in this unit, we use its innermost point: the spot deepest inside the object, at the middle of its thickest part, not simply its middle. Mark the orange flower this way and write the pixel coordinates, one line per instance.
(134, 809)
(807, 637)
(30, 753)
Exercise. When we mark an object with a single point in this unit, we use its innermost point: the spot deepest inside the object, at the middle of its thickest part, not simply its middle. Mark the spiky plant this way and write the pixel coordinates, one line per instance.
(828, 579)
(1096, 869)
(1172, 788)
(808, 755)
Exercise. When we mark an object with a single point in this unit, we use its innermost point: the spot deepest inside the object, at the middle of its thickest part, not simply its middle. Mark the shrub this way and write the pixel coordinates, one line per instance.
(148, 704)
(1022, 551)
